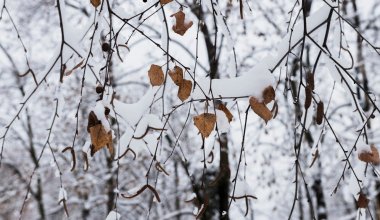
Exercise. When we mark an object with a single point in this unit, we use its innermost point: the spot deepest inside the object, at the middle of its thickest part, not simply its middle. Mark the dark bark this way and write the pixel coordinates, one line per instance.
(222, 186)
(321, 205)
(224, 182)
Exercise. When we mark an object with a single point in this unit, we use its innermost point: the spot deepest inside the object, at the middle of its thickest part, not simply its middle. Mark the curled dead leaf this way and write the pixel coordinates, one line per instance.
(181, 26)
(72, 155)
(63, 201)
(205, 123)
(74, 68)
(224, 109)
(274, 109)
(370, 157)
(151, 188)
(260, 109)
(320, 113)
(268, 94)
(95, 3)
(156, 75)
(176, 75)
(184, 89)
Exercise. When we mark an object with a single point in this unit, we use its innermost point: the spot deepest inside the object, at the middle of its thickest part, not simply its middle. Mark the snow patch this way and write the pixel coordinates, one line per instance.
(113, 215)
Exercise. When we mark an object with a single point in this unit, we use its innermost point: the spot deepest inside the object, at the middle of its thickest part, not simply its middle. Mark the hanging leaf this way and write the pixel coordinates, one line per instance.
(260, 109)
(274, 109)
(163, 2)
(95, 3)
(362, 201)
(205, 123)
(156, 75)
(370, 157)
(224, 109)
(184, 89)
(268, 94)
(176, 75)
(320, 113)
(92, 121)
(72, 155)
(151, 188)
(181, 26)
(100, 138)
(62, 198)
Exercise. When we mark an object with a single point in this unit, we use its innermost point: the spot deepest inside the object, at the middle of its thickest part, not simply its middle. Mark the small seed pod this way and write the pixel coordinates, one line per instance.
(99, 89)
(320, 112)
(310, 80)
(308, 98)
(106, 47)
(106, 111)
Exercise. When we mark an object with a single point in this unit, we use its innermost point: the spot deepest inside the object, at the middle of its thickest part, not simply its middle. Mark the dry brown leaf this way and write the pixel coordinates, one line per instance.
(95, 3)
(156, 75)
(226, 111)
(320, 113)
(92, 121)
(181, 26)
(176, 75)
(100, 138)
(370, 157)
(268, 94)
(362, 201)
(260, 109)
(184, 89)
(205, 123)
(163, 2)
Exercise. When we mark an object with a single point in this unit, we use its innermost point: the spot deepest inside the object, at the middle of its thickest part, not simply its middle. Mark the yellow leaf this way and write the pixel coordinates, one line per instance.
(156, 75)
(205, 123)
